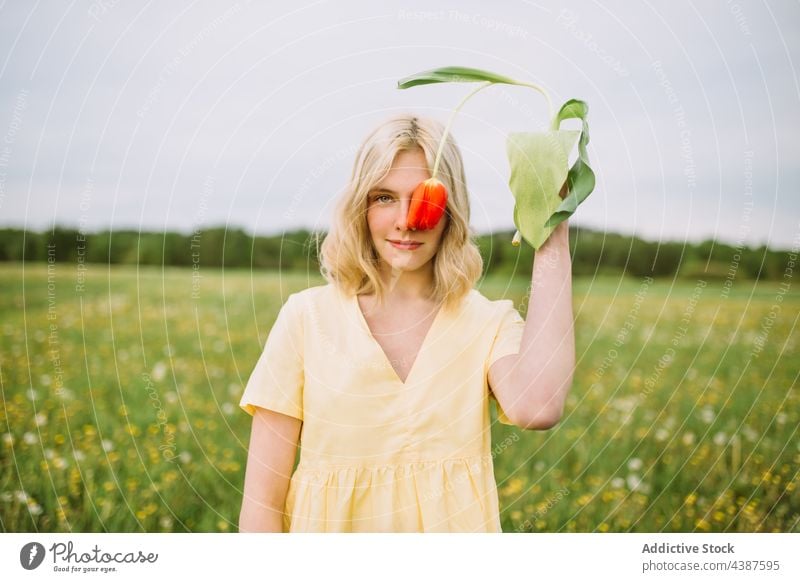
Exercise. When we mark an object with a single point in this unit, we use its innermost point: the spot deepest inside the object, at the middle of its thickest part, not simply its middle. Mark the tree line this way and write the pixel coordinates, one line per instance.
(593, 252)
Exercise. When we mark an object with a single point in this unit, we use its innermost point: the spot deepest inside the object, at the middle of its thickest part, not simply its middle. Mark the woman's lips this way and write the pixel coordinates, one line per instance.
(405, 246)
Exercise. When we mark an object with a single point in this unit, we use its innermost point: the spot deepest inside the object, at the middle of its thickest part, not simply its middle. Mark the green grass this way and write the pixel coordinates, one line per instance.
(120, 404)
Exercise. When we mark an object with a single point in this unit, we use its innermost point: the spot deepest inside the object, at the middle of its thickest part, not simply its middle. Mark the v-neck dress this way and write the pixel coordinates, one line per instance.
(378, 454)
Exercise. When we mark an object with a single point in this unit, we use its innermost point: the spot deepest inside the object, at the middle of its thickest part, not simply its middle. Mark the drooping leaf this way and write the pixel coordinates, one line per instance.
(538, 163)
(453, 75)
(580, 179)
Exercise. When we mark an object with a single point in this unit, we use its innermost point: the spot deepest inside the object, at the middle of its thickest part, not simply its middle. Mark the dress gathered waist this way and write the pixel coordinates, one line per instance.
(321, 466)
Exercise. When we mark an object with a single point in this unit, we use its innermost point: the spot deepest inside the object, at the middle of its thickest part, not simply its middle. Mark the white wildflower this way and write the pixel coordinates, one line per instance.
(159, 371)
(633, 482)
(635, 464)
(65, 394)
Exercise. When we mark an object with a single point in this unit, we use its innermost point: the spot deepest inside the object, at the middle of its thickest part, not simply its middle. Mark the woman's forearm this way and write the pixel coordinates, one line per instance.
(254, 517)
(545, 368)
(270, 458)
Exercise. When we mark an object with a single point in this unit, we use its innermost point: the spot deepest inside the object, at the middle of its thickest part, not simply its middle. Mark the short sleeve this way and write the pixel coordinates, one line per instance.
(277, 380)
(508, 338)
(507, 341)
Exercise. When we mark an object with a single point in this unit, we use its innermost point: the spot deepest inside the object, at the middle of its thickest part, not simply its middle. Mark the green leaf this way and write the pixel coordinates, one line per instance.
(452, 75)
(580, 179)
(538, 163)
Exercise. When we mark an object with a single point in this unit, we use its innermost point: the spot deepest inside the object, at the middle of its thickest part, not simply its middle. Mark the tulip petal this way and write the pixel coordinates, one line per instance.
(428, 203)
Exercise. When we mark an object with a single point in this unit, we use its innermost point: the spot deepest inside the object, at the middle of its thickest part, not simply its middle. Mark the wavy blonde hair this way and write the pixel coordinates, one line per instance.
(348, 257)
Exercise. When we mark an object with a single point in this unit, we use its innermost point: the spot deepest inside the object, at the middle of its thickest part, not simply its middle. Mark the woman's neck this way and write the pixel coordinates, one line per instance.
(404, 286)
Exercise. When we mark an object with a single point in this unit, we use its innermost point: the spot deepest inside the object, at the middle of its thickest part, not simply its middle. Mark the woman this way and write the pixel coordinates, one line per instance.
(387, 370)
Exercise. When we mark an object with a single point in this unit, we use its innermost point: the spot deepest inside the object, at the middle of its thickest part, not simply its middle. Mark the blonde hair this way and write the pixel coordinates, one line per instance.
(348, 257)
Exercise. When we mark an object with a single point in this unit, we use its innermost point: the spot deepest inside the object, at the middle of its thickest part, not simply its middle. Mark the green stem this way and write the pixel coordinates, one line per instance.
(450, 122)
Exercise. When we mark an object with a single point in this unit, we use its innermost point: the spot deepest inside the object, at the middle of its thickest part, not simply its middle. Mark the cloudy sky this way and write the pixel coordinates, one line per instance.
(172, 116)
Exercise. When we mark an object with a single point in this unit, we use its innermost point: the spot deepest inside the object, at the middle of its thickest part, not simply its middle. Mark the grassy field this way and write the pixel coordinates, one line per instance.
(120, 391)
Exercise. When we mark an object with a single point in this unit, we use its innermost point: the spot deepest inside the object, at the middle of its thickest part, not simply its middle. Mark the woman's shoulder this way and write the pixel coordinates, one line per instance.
(482, 303)
(319, 295)
(491, 312)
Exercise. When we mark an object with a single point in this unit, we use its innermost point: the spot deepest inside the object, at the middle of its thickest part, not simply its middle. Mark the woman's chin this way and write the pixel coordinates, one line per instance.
(402, 263)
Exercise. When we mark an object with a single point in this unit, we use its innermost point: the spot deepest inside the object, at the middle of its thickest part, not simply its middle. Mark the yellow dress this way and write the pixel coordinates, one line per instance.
(378, 454)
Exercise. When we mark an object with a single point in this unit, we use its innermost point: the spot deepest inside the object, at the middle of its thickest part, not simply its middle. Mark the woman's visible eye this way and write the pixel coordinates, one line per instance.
(379, 197)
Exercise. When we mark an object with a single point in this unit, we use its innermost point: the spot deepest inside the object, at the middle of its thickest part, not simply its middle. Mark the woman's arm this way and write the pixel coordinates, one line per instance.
(270, 460)
(532, 386)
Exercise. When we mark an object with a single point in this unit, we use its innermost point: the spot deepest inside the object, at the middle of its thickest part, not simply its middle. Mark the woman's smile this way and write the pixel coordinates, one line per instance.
(405, 245)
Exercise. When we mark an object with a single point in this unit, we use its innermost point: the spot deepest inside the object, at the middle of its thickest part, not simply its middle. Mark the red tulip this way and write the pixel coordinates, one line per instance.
(427, 205)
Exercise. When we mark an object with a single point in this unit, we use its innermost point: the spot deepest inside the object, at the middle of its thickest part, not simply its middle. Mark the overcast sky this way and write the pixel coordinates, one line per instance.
(175, 115)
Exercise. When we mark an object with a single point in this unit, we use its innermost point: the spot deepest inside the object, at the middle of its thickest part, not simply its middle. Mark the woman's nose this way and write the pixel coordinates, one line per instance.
(401, 216)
